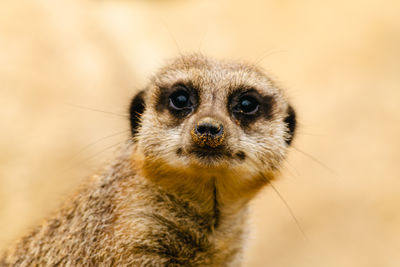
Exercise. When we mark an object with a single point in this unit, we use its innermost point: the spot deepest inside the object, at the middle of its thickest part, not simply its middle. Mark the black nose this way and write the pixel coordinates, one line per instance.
(210, 129)
(208, 132)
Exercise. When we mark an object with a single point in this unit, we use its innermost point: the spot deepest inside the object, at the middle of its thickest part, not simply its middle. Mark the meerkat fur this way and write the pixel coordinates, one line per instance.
(206, 136)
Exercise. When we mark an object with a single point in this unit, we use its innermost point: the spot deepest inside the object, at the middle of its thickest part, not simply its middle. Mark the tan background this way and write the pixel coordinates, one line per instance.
(339, 60)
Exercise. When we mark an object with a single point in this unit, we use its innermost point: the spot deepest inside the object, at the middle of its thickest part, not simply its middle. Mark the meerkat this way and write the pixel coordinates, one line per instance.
(206, 136)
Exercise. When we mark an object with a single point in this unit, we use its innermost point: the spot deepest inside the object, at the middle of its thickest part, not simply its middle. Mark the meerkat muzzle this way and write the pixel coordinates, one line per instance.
(208, 132)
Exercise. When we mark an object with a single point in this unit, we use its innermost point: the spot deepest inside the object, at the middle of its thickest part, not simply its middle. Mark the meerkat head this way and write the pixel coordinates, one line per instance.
(201, 115)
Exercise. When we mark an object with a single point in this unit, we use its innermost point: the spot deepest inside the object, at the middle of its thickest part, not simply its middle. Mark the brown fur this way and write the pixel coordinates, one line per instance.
(160, 204)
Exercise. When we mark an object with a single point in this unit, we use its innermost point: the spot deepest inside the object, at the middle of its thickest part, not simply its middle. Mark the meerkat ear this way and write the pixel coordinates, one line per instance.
(290, 121)
(136, 110)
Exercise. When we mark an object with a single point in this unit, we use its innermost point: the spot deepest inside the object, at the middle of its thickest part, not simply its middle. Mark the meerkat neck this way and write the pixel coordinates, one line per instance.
(207, 197)
(223, 194)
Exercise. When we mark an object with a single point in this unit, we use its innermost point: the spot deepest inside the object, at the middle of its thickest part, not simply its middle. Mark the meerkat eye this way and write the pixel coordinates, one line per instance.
(247, 105)
(180, 100)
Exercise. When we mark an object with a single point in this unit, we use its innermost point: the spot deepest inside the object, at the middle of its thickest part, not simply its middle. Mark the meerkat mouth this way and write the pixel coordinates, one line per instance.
(212, 156)
(209, 154)
(206, 155)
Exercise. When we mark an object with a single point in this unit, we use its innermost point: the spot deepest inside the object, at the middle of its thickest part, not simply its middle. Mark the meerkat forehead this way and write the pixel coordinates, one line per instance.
(206, 73)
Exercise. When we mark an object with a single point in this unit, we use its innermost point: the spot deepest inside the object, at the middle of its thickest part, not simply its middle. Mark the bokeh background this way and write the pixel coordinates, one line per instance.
(68, 69)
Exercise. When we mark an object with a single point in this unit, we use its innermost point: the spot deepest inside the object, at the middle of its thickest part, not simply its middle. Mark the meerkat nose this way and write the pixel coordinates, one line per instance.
(208, 132)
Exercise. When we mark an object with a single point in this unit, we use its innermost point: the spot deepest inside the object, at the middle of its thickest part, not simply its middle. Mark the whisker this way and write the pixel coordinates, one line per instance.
(202, 38)
(103, 150)
(310, 134)
(69, 165)
(96, 142)
(172, 37)
(97, 110)
(331, 171)
(267, 54)
(292, 170)
(292, 214)
(290, 210)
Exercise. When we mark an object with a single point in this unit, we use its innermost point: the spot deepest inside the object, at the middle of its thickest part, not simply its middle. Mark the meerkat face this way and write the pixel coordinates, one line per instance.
(203, 114)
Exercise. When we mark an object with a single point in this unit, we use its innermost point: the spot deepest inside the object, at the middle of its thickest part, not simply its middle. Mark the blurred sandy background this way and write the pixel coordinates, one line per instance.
(339, 60)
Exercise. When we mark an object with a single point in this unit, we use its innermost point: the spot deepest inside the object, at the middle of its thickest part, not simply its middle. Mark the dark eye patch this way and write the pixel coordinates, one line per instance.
(180, 99)
(246, 105)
